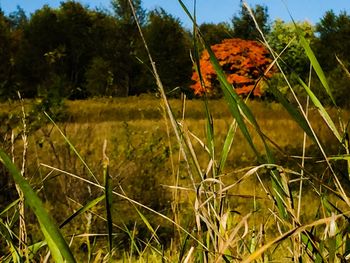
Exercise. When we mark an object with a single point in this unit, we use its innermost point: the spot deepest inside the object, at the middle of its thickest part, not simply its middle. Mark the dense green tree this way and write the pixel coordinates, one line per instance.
(169, 45)
(11, 39)
(131, 42)
(41, 50)
(18, 18)
(333, 39)
(124, 14)
(109, 53)
(77, 22)
(100, 78)
(283, 37)
(60, 47)
(244, 26)
(6, 56)
(284, 40)
(215, 33)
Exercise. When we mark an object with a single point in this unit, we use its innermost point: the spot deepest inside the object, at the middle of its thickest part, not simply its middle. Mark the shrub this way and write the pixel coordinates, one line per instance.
(243, 61)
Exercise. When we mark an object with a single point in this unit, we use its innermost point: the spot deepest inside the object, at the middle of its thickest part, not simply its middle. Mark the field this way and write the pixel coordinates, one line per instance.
(146, 165)
(153, 179)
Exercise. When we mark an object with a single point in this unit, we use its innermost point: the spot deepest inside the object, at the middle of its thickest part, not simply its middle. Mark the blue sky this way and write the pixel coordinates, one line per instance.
(210, 10)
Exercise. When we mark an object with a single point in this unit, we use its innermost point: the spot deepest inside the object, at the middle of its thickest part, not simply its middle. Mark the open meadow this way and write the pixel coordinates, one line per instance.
(103, 158)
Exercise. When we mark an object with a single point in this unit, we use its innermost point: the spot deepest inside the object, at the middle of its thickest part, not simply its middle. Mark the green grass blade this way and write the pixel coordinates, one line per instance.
(144, 219)
(108, 198)
(311, 246)
(72, 147)
(235, 105)
(133, 243)
(210, 134)
(147, 223)
(314, 62)
(6, 233)
(344, 157)
(58, 246)
(35, 247)
(55, 251)
(293, 112)
(7, 208)
(227, 145)
(83, 209)
(321, 110)
(183, 247)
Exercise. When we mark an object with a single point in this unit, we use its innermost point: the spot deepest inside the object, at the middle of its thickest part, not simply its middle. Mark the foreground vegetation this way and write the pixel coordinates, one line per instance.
(76, 52)
(146, 179)
(145, 166)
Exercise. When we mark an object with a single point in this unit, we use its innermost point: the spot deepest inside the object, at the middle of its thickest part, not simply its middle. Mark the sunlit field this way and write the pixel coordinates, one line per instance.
(111, 152)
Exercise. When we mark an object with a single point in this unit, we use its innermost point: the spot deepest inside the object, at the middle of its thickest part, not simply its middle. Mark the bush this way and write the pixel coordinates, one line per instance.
(243, 61)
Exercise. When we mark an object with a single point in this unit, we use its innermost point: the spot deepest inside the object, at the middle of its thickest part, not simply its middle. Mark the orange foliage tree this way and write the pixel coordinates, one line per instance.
(244, 63)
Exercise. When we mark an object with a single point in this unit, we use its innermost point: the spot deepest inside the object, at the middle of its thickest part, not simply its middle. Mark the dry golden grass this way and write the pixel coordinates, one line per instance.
(141, 152)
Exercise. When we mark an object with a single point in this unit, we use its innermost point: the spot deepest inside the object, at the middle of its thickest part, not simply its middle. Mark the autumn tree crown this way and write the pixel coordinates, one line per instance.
(243, 61)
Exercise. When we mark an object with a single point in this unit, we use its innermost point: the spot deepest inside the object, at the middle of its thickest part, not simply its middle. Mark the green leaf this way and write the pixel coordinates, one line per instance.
(6, 233)
(72, 147)
(7, 208)
(293, 112)
(210, 133)
(321, 109)
(345, 157)
(83, 209)
(227, 145)
(133, 244)
(147, 223)
(108, 198)
(57, 244)
(314, 62)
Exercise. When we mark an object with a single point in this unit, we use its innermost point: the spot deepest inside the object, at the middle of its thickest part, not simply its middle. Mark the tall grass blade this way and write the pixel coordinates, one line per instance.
(293, 112)
(58, 246)
(108, 198)
(7, 208)
(147, 223)
(72, 147)
(83, 209)
(227, 146)
(210, 134)
(133, 244)
(345, 157)
(234, 101)
(314, 62)
(209, 118)
(5, 232)
(323, 112)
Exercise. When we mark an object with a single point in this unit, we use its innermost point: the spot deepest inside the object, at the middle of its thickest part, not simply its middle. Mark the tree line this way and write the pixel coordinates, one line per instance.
(76, 52)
